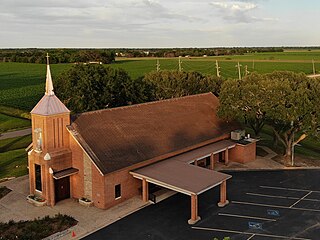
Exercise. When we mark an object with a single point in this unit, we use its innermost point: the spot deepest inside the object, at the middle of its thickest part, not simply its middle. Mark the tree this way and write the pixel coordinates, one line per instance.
(288, 102)
(90, 87)
(244, 100)
(170, 84)
(293, 108)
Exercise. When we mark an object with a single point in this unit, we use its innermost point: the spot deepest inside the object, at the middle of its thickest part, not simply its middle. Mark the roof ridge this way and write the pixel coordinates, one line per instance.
(147, 103)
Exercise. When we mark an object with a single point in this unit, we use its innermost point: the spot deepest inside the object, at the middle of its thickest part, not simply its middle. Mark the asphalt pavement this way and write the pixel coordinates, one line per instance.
(282, 204)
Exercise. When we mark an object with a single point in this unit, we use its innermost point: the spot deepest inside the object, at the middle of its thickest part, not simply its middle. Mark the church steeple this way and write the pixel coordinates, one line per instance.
(49, 84)
(49, 104)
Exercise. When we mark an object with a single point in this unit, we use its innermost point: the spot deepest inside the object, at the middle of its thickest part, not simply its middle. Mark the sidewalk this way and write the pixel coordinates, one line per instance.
(17, 133)
(14, 206)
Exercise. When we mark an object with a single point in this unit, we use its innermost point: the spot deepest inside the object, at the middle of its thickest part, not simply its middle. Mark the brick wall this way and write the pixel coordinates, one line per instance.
(243, 153)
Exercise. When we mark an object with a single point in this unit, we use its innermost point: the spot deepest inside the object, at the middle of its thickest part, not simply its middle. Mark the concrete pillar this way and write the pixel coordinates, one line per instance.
(226, 157)
(194, 209)
(223, 194)
(212, 161)
(196, 162)
(145, 190)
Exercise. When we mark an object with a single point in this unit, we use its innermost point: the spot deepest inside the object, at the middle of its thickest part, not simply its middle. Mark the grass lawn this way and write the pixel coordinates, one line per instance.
(13, 163)
(11, 123)
(309, 147)
(36, 229)
(15, 143)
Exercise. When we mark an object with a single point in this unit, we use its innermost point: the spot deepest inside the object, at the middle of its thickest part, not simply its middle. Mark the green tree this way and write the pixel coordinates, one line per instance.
(244, 100)
(289, 103)
(90, 87)
(293, 108)
(170, 84)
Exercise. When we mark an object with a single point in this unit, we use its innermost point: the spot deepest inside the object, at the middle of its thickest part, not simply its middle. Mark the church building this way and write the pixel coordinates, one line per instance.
(110, 155)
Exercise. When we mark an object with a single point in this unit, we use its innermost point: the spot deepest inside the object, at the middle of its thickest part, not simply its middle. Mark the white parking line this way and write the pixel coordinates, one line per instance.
(289, 189)
(276, 206)
(245, 216)
(251, 237)
(301, 199)
(282, 197)
(272, 196)
(248, 233)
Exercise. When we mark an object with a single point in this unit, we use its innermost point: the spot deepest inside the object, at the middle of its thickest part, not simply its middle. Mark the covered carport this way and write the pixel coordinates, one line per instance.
(183, 178)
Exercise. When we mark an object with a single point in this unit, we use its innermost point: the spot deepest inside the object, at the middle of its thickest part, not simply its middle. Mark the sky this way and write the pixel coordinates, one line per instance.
(158, 23)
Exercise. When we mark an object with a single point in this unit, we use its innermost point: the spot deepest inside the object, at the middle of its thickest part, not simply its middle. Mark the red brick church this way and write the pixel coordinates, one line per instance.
(111, 155)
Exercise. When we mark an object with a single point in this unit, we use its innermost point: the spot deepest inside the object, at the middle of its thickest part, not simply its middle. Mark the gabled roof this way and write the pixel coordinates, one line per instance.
(120, 137)
(50, 103)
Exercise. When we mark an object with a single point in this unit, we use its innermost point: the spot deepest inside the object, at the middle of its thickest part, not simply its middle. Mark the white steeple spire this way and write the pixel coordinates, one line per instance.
(49, 85)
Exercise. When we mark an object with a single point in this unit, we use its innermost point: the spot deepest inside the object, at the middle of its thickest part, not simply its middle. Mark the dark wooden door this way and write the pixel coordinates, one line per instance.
(62, 188)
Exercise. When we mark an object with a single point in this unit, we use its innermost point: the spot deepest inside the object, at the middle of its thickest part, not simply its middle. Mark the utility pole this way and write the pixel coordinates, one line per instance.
(253, 64)
(180, 62)
(239, 69)
(246, 70)
(313, 68)
(158, 65)
(218, 69)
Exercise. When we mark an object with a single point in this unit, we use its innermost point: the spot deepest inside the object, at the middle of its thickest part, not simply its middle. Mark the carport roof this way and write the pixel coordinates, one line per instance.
(181, 177)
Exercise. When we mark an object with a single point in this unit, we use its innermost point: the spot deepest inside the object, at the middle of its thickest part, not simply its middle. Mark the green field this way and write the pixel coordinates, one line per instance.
(12, 123)
(13, 157)
(22, 84)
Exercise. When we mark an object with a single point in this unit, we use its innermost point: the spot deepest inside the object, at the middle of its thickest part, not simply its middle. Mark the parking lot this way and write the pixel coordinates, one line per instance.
(263, 205)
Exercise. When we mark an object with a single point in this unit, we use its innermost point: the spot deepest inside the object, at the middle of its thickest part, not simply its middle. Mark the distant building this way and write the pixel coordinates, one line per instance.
(111, 155)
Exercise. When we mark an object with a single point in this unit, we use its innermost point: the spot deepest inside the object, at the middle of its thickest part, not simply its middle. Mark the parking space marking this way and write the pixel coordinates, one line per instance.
(248, 233)
(245, 216)
(251, 237)
(272, 196)
(276, 206)
(283, 197)
(289, 189)
(301, 199)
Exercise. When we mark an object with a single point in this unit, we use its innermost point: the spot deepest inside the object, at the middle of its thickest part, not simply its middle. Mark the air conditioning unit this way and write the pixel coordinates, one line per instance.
(238, 134)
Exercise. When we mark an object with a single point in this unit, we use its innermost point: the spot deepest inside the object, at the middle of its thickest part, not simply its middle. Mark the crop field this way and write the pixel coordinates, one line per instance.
(22, 84)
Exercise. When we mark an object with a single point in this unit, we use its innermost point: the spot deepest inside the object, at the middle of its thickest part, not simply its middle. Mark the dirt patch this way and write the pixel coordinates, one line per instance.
(299, 161)
(4, 191)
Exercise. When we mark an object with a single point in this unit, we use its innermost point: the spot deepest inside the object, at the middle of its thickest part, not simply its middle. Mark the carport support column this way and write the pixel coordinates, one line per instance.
(212, 161)
(226, 157)
(194, 209)
(145, 190)
(223, 194)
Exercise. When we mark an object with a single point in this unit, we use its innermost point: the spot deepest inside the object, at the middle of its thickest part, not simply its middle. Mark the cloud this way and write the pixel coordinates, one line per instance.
(238, 11)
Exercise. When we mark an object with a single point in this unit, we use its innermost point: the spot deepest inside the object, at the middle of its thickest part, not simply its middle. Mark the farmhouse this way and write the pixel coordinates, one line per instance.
(110, 155)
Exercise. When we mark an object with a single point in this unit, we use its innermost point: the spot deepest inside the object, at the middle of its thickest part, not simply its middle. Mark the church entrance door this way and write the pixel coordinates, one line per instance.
(62, 188)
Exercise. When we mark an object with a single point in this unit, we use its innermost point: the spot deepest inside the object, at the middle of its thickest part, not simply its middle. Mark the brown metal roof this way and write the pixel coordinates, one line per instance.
(204, 151)
(65, 173)
(181, 177)
(121, 137)
(50, 105)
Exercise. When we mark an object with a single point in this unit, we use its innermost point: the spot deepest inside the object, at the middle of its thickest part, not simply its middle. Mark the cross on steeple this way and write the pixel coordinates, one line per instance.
(47, 58)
